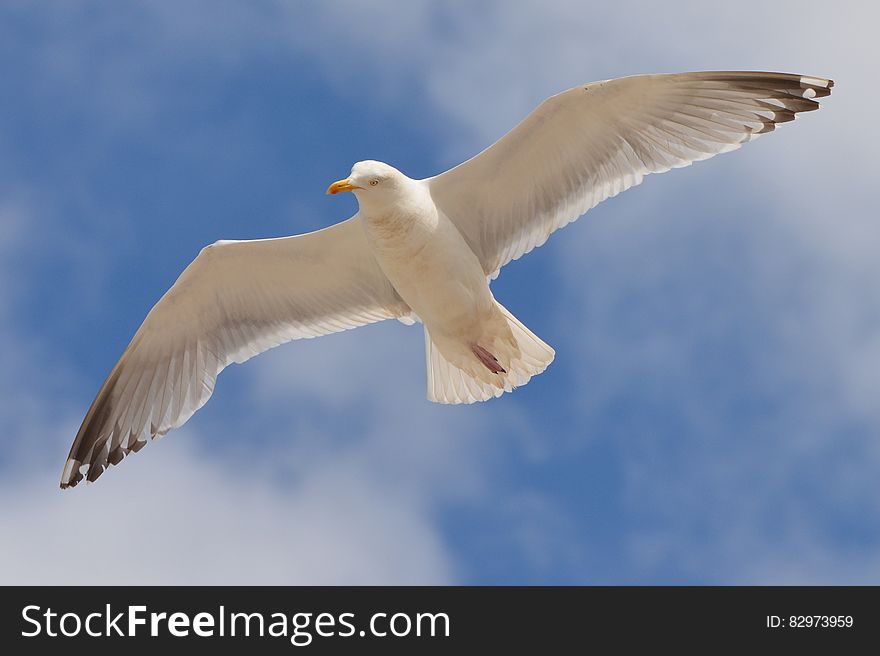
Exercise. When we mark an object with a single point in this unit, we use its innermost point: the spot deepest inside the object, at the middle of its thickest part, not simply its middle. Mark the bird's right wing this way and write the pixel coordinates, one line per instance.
(235, 300)
(591, 142)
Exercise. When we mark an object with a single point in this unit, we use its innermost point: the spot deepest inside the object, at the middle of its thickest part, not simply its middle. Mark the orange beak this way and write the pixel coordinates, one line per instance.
(340, 186)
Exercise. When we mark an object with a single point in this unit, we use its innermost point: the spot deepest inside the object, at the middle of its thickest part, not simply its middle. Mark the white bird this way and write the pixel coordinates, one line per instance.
(425, 250)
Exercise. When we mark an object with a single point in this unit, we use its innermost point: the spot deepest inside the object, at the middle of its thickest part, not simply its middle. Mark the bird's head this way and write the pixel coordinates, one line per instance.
(373, 183)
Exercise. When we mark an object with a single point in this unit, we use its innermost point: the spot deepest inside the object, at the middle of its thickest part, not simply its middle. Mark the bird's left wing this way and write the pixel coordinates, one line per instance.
(235, 300)
(592, 142)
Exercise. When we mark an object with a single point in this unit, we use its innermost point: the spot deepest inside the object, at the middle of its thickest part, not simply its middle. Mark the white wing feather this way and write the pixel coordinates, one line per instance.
(592, 142)
(235, 300)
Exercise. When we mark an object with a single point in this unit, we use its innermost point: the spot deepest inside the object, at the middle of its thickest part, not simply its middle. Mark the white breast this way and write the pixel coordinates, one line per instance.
(428, 262)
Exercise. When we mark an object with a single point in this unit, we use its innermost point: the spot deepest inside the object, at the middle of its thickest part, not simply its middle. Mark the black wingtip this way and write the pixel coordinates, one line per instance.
(72, 474)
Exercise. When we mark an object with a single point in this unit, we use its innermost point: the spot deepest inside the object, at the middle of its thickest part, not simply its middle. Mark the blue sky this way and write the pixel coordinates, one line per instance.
(712, 413)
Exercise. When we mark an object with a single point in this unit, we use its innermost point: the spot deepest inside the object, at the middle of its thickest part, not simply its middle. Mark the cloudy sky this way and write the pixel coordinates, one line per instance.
(712, 415)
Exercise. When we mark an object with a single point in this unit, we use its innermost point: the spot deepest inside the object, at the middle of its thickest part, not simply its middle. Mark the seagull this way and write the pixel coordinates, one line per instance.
(426, 251)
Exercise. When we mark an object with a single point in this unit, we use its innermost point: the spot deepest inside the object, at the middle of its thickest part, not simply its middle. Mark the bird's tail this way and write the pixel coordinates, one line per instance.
(505, 357)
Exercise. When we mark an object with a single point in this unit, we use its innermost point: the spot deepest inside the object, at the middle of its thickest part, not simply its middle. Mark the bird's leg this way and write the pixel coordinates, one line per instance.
(490, 361)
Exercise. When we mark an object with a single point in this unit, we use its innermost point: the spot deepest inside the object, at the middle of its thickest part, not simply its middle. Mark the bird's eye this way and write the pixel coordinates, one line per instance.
(373, 183)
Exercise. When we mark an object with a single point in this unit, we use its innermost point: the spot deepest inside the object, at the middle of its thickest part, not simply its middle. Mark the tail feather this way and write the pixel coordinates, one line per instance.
(459, 376)
(450, 384)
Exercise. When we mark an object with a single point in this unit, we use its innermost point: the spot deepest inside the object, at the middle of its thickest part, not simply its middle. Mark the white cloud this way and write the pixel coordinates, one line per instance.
(180, 517)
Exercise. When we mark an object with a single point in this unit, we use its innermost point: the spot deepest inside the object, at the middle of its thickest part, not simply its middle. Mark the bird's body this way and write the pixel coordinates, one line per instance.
(426, 250)
(431, 267)
(424, 256)
(439, 277)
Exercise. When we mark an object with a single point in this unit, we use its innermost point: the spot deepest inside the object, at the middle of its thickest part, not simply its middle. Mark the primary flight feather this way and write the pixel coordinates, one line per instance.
(426, 250)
